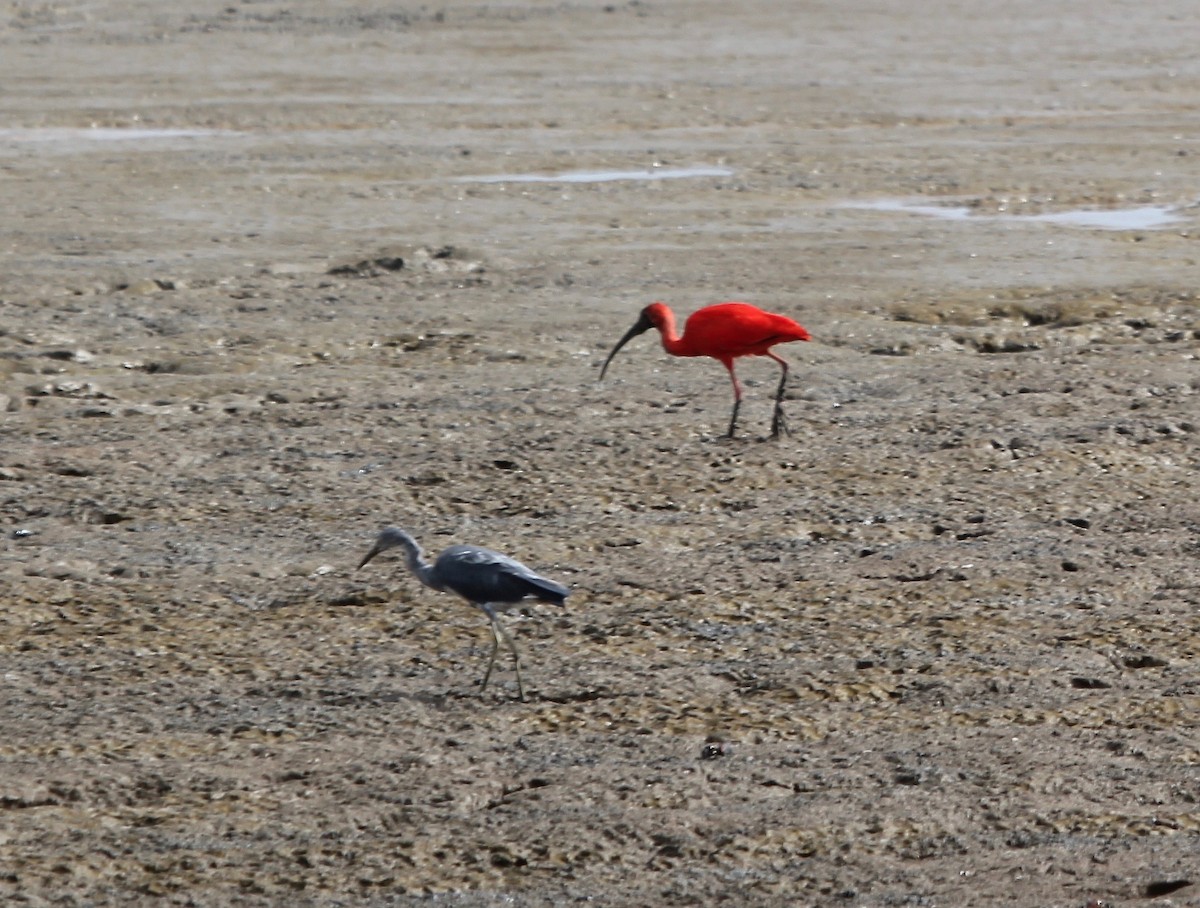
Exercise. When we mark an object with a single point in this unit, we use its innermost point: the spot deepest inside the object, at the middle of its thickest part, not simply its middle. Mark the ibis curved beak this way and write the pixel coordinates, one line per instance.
(641, 326)
(371, 554)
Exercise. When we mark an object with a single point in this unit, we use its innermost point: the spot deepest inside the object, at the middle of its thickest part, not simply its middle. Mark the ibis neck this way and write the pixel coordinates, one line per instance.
(671, 341)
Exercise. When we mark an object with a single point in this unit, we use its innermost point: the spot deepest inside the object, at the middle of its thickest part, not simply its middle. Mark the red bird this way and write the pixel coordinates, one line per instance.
(724, 331)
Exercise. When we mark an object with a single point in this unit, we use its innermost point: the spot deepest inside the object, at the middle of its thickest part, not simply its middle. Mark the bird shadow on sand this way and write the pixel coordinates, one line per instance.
(532, 697)
(580, 696)
(439, 700)
(443, 700)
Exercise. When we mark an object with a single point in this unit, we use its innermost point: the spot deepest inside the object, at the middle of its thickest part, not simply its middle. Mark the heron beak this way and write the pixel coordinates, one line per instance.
(642, 325)
(371, 554)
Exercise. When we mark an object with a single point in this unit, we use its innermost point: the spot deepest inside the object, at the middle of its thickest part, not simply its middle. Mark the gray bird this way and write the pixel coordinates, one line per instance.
(488, 580)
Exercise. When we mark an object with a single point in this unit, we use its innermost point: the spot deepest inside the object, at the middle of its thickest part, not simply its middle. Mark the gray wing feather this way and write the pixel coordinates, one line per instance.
(481, 575)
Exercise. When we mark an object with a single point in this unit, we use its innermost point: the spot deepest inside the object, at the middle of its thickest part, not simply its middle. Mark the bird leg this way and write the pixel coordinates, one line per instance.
(733, 417)
(737, 396)
(516, 659)
(492, 658)
(778, 421)
(497, 632)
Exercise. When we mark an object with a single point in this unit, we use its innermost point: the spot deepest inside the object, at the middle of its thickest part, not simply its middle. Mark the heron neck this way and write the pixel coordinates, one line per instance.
(420, 568)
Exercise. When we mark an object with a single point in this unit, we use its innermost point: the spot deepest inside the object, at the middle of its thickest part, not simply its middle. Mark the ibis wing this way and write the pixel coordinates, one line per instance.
(738, 329)
(481, 575)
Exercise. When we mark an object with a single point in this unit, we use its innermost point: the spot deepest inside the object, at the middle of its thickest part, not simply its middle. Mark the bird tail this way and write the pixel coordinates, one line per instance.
(549, 591)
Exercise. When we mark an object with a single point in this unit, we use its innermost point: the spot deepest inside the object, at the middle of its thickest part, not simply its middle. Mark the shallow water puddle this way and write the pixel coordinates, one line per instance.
(1145, 217)
(1148, 217)
(99, 134)
(601, 176)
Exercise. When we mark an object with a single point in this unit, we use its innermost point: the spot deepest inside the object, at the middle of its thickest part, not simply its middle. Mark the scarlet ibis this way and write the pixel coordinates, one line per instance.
(488, 580)
(723, 331)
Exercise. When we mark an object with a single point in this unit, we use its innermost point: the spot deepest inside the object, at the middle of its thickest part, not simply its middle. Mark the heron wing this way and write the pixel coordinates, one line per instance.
(480, 575)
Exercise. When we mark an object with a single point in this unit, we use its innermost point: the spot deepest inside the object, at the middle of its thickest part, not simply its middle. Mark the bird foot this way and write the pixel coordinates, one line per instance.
(779, 426)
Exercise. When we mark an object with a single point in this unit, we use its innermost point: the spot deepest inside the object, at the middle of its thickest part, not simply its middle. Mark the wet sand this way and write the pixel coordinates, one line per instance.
(276, 275)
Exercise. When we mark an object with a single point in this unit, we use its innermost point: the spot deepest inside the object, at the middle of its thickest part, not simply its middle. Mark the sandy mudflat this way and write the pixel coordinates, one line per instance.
(276, 274)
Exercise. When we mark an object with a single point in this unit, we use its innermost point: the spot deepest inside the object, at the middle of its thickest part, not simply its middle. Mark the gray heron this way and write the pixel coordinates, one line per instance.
(491, 582)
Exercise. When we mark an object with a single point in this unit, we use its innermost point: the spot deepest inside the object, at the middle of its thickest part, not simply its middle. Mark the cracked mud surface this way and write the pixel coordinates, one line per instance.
(938, 647)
